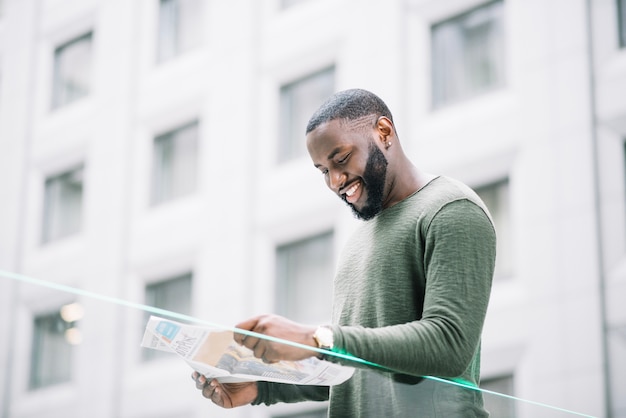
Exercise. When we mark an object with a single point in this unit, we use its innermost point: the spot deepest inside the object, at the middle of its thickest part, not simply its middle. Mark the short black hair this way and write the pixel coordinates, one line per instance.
(349, 105)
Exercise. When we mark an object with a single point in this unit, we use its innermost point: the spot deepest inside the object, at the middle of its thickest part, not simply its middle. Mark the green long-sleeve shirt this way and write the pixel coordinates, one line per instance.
(410, 294)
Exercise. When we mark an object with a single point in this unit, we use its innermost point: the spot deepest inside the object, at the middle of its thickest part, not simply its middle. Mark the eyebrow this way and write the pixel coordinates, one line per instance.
(332, 154)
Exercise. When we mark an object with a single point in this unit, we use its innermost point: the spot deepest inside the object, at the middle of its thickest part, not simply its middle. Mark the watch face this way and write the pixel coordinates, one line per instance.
(324, 337)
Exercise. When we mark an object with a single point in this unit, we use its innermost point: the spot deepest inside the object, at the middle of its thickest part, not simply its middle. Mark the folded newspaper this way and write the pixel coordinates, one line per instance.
(215, 354)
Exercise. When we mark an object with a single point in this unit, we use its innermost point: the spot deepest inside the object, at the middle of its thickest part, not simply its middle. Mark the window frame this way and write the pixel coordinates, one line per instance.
(160, 193)
(505, 243)
(148, 355)
(177, 48)
(621, 23)
(35, 379)
(58, 99)
(284, 286)
(439, 103)
(49, 208)
(287, 147)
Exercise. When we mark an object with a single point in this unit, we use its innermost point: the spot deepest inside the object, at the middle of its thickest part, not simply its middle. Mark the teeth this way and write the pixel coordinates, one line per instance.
(351, 190)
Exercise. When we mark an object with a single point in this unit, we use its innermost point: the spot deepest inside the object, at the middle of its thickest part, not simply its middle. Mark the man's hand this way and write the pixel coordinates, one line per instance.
(278, 327)
(226, 395)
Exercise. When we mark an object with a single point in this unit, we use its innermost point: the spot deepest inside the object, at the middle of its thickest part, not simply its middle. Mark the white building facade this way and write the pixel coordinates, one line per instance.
(152, 153)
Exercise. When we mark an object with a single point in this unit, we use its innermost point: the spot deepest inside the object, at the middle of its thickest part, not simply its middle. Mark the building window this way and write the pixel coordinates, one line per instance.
(621, 22)
(499, 406)
(172, 294)
(304, 279)
(298, 101)
(72, 71)
(617, 362)
(467, 54)
(63, 201)
(54, 334)
(624, 164)
(174, 163)
(496, 197)
(1, 88)
(180, 27)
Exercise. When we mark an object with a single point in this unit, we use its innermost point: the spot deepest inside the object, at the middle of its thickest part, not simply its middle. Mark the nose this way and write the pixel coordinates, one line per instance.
(336, 180)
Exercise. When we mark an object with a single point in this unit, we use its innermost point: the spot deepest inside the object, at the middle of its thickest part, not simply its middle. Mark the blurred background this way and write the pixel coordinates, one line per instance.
(153, 151)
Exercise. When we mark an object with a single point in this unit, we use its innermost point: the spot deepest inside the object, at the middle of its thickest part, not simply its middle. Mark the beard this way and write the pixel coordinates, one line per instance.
(374, 183)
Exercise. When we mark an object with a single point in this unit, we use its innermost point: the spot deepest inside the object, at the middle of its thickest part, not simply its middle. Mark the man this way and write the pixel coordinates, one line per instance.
(412, 285)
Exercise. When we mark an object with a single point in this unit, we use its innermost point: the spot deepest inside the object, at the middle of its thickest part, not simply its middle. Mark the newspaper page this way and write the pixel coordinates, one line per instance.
(215, 354)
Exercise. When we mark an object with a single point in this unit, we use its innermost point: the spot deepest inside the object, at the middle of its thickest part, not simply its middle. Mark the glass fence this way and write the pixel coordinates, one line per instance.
(70, 352)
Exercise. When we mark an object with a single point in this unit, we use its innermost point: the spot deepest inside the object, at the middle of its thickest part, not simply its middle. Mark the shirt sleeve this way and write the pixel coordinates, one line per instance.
(270, 393)
(459, 257)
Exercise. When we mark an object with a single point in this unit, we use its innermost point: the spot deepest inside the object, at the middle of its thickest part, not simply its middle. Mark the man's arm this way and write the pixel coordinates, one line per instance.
(226, 395)
(232, 395)
(270, 393)
(459, 261)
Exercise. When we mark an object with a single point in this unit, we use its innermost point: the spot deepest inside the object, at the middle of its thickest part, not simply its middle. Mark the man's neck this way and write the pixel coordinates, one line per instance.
(407, 180)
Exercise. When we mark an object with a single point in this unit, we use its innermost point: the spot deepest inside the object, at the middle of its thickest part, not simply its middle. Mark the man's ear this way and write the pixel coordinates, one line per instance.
(384, 127)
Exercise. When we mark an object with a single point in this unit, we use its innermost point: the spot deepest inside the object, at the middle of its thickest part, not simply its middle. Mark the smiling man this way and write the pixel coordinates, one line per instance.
(372, 184)
(412, 284)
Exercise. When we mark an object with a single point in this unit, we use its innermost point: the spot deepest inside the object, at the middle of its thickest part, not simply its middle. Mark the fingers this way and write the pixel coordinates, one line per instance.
(207, 388)
(259, 346)
(199, 379)
(211, 390)
(250, 342)
(259, 351)
(275, 326)
(248, 325)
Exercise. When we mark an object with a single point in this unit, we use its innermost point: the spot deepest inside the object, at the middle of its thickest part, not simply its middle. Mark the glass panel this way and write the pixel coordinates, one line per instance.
(497, 405)
(496, 197)
(617, 353)
(173, 295)
(72, 71)
(298, 101)
(175, 163)
(621, 22)
(190, 27)
(180, 26)
(53, 336)
(110, 380)
(624, 165)
(168, 29)
(304, 279)
(317, 413)
(467, 54)
(63, 205)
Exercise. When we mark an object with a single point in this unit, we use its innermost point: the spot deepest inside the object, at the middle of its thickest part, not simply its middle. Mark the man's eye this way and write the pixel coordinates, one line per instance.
(324, 171)
(343, 159)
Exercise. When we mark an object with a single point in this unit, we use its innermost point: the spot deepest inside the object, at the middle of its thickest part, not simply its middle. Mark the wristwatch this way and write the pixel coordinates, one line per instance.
(323, 336)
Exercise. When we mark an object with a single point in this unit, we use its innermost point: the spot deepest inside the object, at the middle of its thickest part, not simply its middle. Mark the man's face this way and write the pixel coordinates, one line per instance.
(353, 166)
